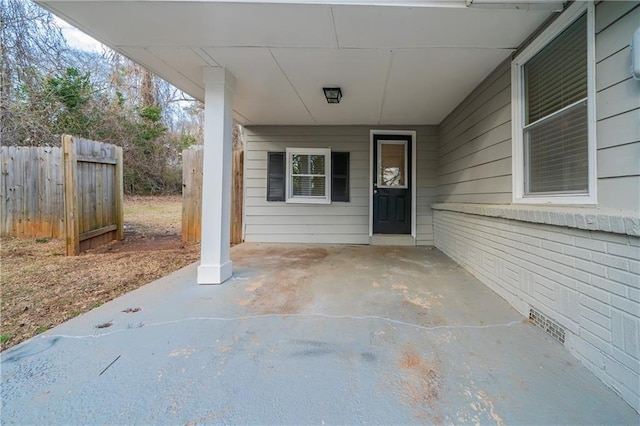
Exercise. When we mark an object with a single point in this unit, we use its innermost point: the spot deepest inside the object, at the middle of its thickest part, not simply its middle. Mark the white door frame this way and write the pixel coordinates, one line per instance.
(414, 173)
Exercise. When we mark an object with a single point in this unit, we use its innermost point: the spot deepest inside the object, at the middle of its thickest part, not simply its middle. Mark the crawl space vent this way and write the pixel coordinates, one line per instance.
(551, 327)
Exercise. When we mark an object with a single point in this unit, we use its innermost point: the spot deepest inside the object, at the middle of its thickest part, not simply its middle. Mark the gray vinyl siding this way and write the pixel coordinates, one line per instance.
(268, 221)
(475, 144)
(338, 222)
(426, 182)
(475, 139)
(617, 106)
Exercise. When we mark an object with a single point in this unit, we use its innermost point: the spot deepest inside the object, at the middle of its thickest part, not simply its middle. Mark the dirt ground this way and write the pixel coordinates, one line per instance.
(41, 288)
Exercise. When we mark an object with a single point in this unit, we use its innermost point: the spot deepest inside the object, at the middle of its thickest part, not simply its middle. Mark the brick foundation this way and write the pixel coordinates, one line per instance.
(581, 284)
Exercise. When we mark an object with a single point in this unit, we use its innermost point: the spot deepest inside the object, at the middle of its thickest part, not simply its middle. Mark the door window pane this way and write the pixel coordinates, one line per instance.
(392, 170)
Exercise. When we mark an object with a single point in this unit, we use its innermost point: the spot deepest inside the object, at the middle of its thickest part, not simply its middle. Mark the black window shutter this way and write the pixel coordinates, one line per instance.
(340, 176)
(275, 176)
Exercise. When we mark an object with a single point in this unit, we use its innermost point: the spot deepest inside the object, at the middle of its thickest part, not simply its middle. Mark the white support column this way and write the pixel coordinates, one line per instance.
(215, 262)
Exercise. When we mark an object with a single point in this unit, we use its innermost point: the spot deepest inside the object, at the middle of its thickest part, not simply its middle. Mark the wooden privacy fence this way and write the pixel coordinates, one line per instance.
(93, 200)
(75, 192)
(32, 191)
(192, 195)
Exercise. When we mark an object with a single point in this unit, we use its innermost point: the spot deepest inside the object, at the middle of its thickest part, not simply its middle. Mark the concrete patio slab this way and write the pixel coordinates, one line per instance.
(306, 334)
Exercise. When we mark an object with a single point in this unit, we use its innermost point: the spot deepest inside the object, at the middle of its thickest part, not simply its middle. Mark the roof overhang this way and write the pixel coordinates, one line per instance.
(410, 63)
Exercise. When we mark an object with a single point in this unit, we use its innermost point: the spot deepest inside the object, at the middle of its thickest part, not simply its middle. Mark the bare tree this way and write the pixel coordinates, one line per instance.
(48, 88)
(31, 45)
(29, 37)
(147, 88)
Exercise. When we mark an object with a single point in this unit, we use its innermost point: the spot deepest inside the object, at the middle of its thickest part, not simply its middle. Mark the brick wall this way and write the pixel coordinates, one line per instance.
(588, 282)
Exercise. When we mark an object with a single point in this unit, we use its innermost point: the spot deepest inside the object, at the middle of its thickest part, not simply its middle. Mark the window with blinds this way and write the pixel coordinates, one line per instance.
(308, 175)
(276, 177)
(556, 131)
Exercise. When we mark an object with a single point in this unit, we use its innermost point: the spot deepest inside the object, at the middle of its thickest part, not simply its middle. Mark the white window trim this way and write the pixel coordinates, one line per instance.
(517, 110)
(327, 173)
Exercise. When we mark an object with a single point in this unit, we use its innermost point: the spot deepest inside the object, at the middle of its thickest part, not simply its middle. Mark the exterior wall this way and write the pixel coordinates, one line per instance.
(475, 139)
(338, 222)
(617, 107)
(475, 144)
(579, 267)
(426, 181)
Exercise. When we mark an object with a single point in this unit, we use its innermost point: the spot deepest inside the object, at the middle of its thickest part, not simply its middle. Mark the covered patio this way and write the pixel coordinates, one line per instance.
(443, 80)
(266, 63)
(306, 334)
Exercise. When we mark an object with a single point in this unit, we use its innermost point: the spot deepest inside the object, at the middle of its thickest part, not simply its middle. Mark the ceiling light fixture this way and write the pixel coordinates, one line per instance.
(333, 94)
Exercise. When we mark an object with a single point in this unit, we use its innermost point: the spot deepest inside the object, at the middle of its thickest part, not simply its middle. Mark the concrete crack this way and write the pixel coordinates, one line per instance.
(250, 317)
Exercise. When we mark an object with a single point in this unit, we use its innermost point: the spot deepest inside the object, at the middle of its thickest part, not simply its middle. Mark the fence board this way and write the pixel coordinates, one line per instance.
(34, 183)
(24, 196)
(59, 194)
(15, 165)
(4, 220)
(237, 200)
(117, 189)
(99, 219)
(192, 195)
(45, 188)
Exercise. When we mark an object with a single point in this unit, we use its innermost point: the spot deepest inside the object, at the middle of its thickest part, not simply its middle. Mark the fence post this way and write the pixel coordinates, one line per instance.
(72, 228)
(119, 194)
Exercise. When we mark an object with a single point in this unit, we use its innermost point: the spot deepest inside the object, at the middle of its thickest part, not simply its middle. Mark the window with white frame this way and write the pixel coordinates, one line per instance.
(553, 111)
(308, 175)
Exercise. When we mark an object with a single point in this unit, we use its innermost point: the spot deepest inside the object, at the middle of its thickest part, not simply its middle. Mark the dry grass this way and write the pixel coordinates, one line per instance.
(42, 288)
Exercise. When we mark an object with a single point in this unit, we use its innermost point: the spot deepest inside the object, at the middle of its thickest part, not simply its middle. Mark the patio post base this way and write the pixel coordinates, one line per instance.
(214, 274)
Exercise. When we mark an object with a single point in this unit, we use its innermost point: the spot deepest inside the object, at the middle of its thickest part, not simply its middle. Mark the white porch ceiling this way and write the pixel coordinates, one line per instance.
(395, 64)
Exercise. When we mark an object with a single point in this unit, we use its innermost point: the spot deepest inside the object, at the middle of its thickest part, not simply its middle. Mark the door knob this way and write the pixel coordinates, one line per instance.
(375, 191)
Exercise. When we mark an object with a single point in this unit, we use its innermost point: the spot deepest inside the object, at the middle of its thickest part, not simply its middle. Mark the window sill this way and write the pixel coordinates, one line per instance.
(307, 201)
(591, 219)
(558, 200)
